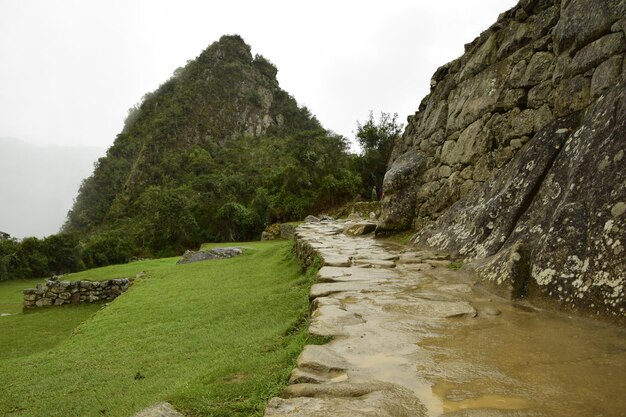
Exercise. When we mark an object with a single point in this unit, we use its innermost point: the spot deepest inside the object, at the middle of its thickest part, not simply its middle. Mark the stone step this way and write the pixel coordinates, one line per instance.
(368, 399)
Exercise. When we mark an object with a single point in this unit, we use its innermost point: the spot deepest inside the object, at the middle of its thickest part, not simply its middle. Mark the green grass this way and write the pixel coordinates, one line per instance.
(11, 294)
(455, 265)
(216, 338)
(120, 271)
(403, 238)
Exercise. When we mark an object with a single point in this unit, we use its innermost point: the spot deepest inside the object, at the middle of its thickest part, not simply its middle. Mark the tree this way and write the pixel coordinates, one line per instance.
(236, 222)
(166, 217)
(8, 250)
(376, 141)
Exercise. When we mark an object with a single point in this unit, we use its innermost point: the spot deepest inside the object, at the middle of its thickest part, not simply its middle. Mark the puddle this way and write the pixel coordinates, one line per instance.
(497, 402)
(466, 352)
(390, 367)
(524, 359)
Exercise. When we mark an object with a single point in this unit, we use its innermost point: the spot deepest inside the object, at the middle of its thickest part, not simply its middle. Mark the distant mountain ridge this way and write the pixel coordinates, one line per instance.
(39, 183)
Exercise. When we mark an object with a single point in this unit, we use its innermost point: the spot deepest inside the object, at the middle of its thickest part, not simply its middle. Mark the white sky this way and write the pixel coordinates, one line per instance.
(70, 70)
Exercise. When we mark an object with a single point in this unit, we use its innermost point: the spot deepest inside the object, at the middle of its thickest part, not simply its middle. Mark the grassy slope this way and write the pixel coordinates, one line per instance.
(215, 338)
(11, 294)
(45, 328)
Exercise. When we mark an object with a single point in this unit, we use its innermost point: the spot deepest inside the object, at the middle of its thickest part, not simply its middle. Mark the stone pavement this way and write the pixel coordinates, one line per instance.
(413, 337)
(377, 303)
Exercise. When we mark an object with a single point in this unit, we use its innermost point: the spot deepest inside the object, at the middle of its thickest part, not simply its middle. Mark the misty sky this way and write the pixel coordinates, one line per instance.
(70, 70)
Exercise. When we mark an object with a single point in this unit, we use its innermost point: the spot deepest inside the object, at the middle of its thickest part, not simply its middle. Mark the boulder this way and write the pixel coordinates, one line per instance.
(205, 255)
(359, 229)
(287, 230)
(271, 232)
(278, 231)
(355, 217)
(159, 410)
(400, 185)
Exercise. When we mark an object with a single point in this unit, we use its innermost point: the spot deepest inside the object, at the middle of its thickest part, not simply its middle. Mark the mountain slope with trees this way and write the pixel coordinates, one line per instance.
(215, 153)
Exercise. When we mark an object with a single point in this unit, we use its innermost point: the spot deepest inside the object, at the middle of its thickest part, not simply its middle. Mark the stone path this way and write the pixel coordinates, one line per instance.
(377, 304)
(413, 338)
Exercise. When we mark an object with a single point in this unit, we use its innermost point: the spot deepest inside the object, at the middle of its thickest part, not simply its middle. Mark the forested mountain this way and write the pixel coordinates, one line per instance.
(215, 153)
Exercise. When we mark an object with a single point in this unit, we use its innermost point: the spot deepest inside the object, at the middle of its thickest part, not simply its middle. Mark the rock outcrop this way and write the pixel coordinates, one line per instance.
(207, 255)
(515, 160)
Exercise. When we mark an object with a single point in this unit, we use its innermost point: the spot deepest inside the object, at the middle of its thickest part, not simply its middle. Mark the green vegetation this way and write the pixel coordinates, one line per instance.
(377, 140)
(403, 238)
(23, 335)
(455, 265)
(11, 294)
(215, 338)
(216, 153)
(122, 270)
(32, 257)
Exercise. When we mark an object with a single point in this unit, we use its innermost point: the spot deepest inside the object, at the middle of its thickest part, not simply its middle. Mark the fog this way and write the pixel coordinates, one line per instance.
(39, 183)
(70, 71)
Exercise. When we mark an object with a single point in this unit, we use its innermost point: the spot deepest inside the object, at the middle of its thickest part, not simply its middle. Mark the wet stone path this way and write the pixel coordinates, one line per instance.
(413, 337)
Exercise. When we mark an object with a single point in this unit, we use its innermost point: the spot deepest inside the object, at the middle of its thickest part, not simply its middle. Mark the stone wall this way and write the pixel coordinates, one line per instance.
(514, 161)
(305, 252)
(55, 292)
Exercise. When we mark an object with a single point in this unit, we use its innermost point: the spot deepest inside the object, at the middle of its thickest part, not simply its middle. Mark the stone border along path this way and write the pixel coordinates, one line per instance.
(374, 301)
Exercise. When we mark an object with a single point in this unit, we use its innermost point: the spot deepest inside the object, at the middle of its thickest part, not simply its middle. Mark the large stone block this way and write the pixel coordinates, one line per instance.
(539, 69)
(572, 95)
(593, 54)
(583, 21)
(477, 96)
(607, 75)
(540, 94)
(400, 184)
(473, 142)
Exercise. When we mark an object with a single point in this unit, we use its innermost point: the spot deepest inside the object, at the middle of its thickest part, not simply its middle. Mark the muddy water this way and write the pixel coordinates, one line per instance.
(514, 357)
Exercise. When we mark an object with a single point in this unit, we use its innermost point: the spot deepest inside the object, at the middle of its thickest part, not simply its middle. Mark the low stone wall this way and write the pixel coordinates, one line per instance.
(305, 252)
(55, 292)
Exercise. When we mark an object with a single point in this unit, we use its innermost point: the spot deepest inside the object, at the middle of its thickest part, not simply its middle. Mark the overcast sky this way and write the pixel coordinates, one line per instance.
(70, 70)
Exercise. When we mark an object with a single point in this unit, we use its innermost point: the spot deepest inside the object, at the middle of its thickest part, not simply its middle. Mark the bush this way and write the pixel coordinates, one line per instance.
(236, 222)
(111, 247)
(34, 258)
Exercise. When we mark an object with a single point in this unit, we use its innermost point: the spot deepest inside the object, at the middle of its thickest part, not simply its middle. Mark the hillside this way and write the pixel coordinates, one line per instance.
(38, 185)
(215, 153)
(214, 338)
(514, 161)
